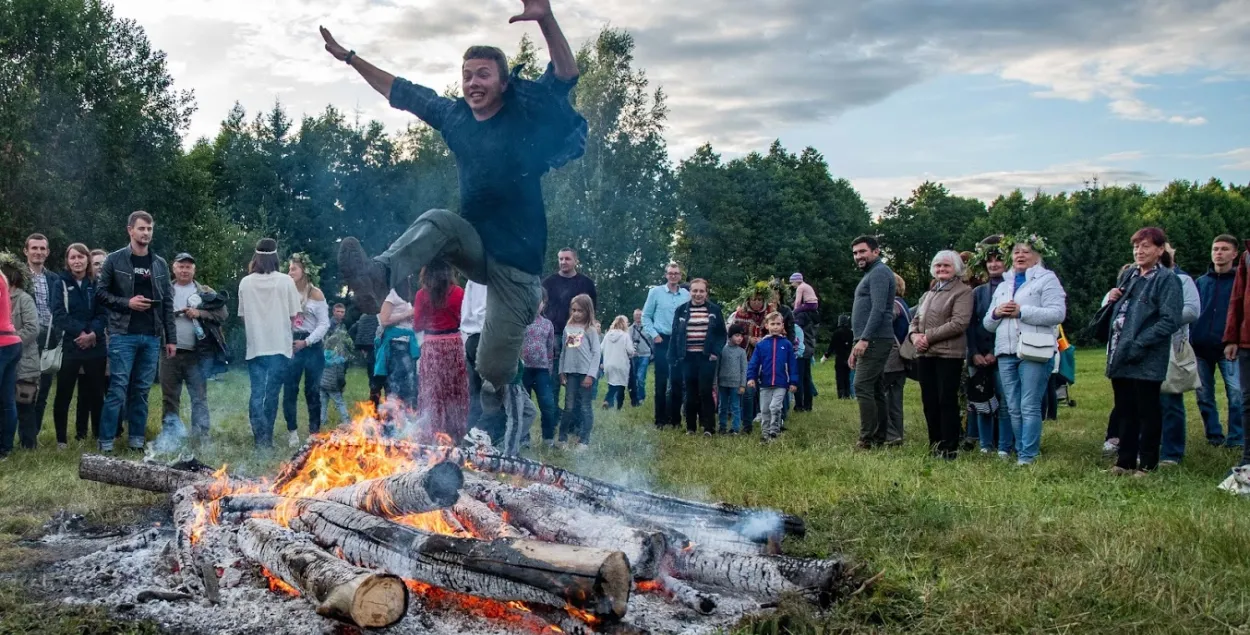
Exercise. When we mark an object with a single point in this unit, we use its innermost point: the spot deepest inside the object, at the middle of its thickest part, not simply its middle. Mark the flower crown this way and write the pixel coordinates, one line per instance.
(983, 253)
(1036, 242)
(312, 270)
(10, 259)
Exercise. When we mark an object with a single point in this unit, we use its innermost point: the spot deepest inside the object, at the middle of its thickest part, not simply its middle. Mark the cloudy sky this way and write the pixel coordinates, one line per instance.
(983, 95)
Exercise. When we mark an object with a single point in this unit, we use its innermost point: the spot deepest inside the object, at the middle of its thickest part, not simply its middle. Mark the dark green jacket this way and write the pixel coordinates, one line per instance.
(1154, 314)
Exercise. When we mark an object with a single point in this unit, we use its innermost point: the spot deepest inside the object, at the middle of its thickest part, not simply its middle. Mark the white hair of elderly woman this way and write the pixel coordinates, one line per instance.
(947, 255)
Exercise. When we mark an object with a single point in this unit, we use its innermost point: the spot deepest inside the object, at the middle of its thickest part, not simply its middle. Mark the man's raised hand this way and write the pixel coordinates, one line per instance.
(533, 10)
(332, 47)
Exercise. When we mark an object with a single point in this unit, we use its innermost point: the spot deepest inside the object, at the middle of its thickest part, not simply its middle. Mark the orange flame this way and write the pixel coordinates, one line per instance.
(584, 616)
(513, 612)
(648, 586)
(434, 522)
(277, 585)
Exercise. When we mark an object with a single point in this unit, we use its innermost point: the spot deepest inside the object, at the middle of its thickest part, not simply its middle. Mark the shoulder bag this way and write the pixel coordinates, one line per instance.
(1182, 370)
(50, 358)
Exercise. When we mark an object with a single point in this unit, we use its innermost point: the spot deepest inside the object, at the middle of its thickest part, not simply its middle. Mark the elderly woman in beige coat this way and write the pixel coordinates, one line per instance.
(938, 333)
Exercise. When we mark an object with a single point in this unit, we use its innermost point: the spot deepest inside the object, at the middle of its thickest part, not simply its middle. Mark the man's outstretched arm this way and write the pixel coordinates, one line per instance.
(379, 79)
(562, 58)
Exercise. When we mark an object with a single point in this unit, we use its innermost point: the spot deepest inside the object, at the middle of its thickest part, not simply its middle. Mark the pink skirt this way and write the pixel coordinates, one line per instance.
(443, 400)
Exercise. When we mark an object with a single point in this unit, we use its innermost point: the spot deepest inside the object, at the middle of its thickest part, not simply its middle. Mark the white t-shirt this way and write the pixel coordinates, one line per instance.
(472, 309)
(267, 302)
(398, 306)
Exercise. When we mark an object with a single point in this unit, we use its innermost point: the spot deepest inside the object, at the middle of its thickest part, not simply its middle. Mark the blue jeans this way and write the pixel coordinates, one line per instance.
(267, 374)
(1173, 437)
(985, 423)
(133, 360)
(1206, 402)
(615, 397)
(308, 364)
(336, 398)
(9, 357)
(639, 368)
(1024, 385)
(538, 381)
(579, 412)
(730, 406)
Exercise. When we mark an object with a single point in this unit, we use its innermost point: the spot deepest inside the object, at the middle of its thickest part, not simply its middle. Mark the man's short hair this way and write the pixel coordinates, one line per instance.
(568, 250)
(490, 53)
(674, 265)
(340, 305)
(871, 241)
(137, 216)
(1227, 238)
(26, 245)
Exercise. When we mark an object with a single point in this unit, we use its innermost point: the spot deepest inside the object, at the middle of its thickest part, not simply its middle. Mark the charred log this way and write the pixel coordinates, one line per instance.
(592, 580)
(341, 591)
(701, 602)
(483, 522)
(765, 577)
(145, 476)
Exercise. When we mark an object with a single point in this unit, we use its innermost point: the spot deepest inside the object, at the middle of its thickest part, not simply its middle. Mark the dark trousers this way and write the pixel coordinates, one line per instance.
(632, 386)
(615, 398)
(495, 424)
(939, 392)
(843, 373)
(1141, 423)
(41, 400)
(803, 398)
(307, 364)
(1243, 370)
(663, 412)
(870, 390)
(540, 382)
(88, 375)
(700, 377)
(376, 383)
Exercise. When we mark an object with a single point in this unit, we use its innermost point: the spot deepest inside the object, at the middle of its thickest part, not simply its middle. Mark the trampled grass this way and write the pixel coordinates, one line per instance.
(972, 546)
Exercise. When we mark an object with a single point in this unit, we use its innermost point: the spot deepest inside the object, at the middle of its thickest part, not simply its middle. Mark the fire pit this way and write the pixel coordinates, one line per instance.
(360, 530)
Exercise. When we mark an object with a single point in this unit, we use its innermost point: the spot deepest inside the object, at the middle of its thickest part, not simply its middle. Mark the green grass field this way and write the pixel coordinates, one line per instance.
(977, 545)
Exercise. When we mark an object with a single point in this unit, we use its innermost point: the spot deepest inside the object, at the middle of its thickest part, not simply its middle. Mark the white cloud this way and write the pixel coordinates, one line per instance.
(1238, 159)
(987, 186)
(736, 71)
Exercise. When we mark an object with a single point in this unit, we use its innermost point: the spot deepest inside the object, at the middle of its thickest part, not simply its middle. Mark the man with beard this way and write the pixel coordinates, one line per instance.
(871, 318)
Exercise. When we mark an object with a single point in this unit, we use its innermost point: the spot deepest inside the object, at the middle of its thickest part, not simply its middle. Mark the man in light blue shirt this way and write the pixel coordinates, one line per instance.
(657, 323)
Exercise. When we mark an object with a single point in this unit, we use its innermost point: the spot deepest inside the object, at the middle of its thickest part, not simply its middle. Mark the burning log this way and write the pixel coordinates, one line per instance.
(483, 521)
(592, 580)
(573, 526)
(145, 476)
(190, 516)
(766, 577)
(702, 602)
(419, 491)
(343, 592)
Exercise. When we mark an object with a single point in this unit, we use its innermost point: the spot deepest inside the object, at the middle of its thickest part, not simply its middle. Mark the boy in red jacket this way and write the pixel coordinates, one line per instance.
(1237, 338)
(774, 368)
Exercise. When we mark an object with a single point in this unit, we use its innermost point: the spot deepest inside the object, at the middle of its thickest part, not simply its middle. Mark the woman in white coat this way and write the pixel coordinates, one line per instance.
(1027, 309)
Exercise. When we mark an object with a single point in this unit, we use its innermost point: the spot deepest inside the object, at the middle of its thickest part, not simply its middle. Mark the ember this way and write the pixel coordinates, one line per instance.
(545, 551)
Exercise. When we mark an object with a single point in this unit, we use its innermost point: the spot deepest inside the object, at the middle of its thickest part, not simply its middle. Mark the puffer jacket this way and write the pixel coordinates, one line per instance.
(942, 317)
(1043, 307)
(1153, 317)
(774, 363)
(26, 323)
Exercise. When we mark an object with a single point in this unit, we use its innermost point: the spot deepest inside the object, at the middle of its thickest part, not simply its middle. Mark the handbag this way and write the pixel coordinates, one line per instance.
(1182, 370)
(50, 358)
(1036, 347)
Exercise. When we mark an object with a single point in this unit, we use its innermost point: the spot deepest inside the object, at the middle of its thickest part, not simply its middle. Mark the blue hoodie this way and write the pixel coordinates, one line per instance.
(774, 364)
(1207, 333)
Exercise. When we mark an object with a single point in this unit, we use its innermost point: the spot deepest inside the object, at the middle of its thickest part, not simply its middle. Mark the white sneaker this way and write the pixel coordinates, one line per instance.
(293, 441)
(1004, 455)
(62, 446)
(985, 450)
(1109, 448)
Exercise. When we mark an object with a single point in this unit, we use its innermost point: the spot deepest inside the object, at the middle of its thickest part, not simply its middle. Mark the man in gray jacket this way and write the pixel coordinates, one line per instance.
(871, 319)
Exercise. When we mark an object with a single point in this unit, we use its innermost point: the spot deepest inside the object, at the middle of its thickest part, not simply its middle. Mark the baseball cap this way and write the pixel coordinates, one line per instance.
(184, 256)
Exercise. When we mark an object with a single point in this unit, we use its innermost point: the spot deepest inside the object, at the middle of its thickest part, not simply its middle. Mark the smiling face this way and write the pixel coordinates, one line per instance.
(1146, 253)
(864, 255)
(943, 270)
(483, 85)
(995, 266)
(184, 271)
(698, 293)
(36, 252)
(1023, 257)
(673, 275)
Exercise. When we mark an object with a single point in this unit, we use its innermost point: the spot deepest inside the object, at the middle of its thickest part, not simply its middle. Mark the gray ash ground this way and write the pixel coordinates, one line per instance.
(111, 570)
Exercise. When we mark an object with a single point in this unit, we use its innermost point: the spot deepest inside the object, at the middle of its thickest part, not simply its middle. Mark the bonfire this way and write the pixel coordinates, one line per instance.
(371, 531)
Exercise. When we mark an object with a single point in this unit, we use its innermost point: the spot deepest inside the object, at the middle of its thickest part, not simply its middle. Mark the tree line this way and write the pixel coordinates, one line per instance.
(91, 128)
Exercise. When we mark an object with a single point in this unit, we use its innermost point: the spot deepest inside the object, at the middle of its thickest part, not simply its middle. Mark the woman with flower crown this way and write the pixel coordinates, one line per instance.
(1026, 310)
(308, 361)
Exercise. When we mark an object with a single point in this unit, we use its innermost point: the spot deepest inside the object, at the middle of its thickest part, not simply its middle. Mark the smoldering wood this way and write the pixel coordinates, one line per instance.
(764, 576)
(482, 521)
(189, 571)
(149, 595)
(704, 603)
(593, 580)
(349, 594)
(644, 549)
(151, 477)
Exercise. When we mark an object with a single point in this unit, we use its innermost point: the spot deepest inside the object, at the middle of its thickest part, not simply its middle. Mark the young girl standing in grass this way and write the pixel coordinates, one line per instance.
(617, 349)
(579, 364)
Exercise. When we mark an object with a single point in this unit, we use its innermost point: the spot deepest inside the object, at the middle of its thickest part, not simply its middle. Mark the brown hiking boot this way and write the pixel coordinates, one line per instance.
(368, 279)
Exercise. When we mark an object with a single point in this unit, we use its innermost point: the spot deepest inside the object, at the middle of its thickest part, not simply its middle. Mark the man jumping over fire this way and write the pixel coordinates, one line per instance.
(506, 132)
